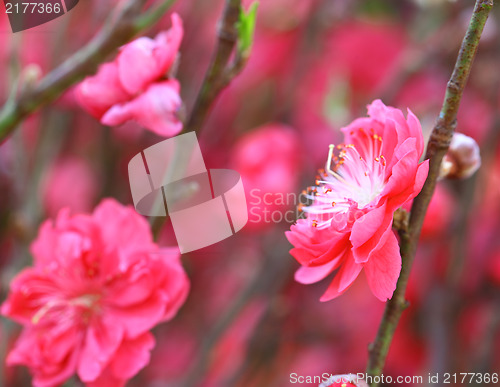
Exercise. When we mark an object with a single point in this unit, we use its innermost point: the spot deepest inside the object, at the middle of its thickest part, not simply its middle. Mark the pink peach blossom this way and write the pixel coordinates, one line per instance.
(136, 85)
(349, 225)
(98, 285)
(267, 159)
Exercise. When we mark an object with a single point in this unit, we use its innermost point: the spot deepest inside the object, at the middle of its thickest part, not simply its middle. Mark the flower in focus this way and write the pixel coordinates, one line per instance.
(98, 285)
(462, 159)
(136, 85)
(349, 224)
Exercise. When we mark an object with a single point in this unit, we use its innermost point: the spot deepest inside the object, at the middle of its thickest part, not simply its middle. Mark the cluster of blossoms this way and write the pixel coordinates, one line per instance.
(98, 285)
(137, 86)
(349, 224)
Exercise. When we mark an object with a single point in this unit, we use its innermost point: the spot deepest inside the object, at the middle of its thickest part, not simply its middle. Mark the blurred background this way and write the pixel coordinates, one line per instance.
(314, 67)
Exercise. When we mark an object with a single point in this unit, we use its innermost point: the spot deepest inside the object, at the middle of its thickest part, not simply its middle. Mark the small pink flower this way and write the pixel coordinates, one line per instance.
(136, 86)
(349, 225)
(98, 285)
(268, 159)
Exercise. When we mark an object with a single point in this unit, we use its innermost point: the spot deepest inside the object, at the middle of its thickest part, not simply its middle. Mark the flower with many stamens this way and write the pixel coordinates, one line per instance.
(348, 226)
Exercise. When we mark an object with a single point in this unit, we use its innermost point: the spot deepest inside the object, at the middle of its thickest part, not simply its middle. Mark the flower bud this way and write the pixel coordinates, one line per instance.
(30, 76)
(346, 380)
(463, 158)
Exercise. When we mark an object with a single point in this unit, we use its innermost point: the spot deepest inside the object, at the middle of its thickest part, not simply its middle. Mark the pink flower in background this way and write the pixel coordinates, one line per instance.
(136, 86)
(268, 159)
(367, 54)
(98, 285)
(71, 183)
(349, 225)
(439, 214)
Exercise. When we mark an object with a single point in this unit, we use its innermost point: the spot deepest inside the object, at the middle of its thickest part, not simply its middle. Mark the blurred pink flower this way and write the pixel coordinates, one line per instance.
(439, 214)
(70, 183)
(366, 54)
(98, 285)
(136, 85)
(349, 225)
(268, 159)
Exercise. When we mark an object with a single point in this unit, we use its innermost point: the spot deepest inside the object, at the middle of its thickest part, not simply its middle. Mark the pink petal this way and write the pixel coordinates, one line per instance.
(145, 60)
(138, 319)
(137, 66)
(131, 287)
(421, 176)
(416, 131)
(30, 290)
(103, 339)
(383, 268)
(364, 228)
(168, 44)
(132, 356)
(309, 275)
(98, 93)
(156, 110)
(123, 228)
(344, 278)
(364, 252)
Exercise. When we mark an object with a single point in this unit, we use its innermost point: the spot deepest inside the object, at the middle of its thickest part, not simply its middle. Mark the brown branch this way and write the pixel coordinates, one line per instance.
(436, 149)
(220, 73)
(119, 29)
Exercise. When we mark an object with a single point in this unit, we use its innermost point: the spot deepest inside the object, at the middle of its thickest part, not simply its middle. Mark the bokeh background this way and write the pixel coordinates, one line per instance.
(315, 65)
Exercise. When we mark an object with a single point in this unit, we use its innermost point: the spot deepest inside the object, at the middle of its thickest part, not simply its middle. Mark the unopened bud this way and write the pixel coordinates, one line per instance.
(30, 76)
(463, 158)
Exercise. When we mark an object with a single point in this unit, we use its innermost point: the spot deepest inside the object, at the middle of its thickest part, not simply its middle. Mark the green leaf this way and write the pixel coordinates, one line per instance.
(246, 28)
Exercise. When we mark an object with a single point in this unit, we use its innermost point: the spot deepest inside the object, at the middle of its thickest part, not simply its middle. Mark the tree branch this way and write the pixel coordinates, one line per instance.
(119, 29)
(215, 78)
(218, 76)
(436, 149)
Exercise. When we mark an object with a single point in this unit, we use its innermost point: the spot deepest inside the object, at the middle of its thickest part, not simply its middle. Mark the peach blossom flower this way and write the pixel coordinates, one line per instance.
(98, 285)
(136, 85)
(349, 225)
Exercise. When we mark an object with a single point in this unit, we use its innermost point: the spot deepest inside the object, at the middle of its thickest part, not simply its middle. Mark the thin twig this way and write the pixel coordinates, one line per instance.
(120, 28)
(216, 77)
(436, 149)
(219, 74)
